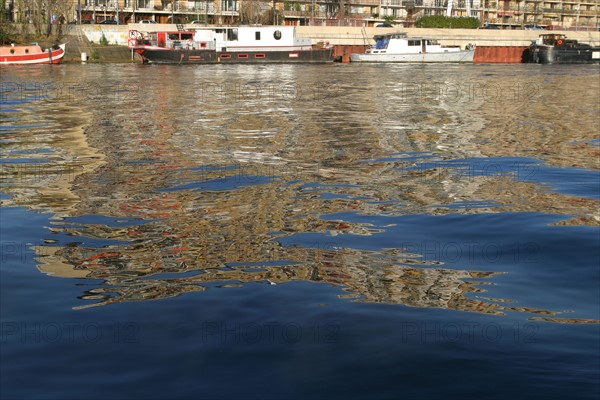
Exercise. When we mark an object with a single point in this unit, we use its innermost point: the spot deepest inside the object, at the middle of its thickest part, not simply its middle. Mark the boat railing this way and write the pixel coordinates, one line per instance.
(189, 44)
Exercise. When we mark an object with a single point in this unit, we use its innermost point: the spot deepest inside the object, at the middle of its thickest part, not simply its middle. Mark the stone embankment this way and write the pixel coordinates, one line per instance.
(447, 37)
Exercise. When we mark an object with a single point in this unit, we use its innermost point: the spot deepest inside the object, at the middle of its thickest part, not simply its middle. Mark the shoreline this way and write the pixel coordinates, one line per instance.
(86, 38)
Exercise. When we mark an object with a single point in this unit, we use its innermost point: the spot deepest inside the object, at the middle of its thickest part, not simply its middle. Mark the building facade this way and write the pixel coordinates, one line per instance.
(503, 13)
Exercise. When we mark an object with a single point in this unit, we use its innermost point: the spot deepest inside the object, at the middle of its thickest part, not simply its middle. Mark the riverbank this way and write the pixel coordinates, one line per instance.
(87, 38)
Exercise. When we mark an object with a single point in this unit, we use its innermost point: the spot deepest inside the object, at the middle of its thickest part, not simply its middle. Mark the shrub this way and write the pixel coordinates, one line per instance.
(441, 21)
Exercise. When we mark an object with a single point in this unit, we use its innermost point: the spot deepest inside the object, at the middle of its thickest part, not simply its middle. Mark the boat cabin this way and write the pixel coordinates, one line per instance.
(170, 40)
(399, 43)
(553, 39)
(241, 38)
(13, 50)
(250, 38)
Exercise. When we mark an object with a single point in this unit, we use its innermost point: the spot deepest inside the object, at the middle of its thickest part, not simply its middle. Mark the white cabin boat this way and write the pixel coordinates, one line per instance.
(243, 44)
(397, 47)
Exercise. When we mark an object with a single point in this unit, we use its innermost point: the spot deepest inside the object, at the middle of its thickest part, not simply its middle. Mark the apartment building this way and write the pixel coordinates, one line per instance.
(504, 13)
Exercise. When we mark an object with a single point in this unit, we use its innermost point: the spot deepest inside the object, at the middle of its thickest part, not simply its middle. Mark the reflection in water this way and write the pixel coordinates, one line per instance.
(196, 177)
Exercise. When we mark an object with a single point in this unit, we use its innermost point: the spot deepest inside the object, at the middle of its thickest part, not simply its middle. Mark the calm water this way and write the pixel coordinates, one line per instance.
(344, 231)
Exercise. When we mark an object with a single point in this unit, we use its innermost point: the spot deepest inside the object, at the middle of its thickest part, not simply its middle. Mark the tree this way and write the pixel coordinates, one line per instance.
(251, 12)
(389, 19)
(39, 13)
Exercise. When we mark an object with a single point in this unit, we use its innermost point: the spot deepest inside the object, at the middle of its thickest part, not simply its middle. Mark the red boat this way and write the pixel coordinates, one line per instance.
(31, 54)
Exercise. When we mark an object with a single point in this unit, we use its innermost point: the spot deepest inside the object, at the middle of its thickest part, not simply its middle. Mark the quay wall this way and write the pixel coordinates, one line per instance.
(447, 37)
(357, 36)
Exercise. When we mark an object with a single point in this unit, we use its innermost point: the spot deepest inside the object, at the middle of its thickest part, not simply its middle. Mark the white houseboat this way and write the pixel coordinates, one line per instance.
(397, 47)
(243, 44)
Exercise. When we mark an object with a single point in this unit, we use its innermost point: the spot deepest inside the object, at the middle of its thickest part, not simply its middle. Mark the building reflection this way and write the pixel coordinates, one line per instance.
(204, 190)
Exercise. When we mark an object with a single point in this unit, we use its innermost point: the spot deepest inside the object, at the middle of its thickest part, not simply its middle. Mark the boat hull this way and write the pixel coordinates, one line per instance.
(463, 56)
(541, 54)
(197, 56)
(50, 56)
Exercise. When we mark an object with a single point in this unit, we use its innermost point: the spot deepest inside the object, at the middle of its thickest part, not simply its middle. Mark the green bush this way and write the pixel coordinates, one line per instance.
(103, 40)
(7, 33)
(389, 19)
(441, 21)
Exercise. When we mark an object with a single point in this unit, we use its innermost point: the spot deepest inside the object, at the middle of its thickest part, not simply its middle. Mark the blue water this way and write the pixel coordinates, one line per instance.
(362, 245)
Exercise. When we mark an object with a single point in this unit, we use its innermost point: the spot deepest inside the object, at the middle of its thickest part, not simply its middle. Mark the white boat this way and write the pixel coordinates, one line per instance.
(397, 47)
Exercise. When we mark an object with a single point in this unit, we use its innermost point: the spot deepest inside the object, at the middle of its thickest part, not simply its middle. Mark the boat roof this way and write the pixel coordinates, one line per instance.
(401, 35)
(553, 36)
(398, 34)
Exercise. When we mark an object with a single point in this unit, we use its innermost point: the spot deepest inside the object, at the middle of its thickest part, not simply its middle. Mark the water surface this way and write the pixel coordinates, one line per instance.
(342, 231)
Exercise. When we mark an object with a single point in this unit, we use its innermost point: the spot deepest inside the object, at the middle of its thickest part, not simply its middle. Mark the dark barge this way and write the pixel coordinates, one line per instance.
(553, 48)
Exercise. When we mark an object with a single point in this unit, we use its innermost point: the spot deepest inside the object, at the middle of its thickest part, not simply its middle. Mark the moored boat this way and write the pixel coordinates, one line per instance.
(555, 48)
(228, 45)
(397, 47)
(31, 54)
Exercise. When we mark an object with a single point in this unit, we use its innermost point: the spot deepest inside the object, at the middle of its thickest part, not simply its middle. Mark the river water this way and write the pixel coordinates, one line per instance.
(294, 231)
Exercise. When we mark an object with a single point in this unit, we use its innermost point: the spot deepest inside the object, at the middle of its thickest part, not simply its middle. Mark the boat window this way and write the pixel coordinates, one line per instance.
(257, 35)
(382, 43)
(26, 51)
(12, 51)
(173, 36)
(277, 35)
(432, 42)
(232, 34)
(414, 42)
(186, 36)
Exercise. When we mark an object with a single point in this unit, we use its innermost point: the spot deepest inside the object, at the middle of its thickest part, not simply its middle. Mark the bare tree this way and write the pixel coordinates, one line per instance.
(41, 14)
(254, 12)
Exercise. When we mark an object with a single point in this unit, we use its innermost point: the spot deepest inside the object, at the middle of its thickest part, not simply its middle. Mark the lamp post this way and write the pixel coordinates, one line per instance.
(578, 11)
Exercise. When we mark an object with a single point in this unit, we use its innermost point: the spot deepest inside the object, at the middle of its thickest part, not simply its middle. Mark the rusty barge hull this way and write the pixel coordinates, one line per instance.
(500, 54)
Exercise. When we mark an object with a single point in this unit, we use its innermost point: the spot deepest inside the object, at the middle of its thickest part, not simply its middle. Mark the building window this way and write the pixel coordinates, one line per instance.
(229, 5)
(200, 5)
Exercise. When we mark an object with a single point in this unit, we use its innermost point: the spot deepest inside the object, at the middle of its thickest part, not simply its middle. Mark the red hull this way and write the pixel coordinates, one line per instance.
(31, 55)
